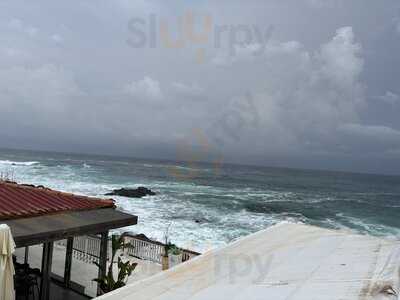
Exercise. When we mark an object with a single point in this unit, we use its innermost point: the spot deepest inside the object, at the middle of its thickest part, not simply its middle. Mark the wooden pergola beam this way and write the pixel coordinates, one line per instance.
(103, 258)
(47, 259)
(26, 256)
(68, 262)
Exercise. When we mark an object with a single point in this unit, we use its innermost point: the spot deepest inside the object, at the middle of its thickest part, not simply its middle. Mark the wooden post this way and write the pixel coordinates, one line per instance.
(103, 258)
(26, 258)
(68, 262)
(47, 259)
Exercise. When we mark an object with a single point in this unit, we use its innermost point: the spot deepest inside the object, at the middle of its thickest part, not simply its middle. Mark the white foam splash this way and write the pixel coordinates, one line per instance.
(18, 163)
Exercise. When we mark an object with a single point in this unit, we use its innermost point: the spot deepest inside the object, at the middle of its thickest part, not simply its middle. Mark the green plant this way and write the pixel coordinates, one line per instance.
(175, 250)
(167, 248)
(167, 244)
(108, 283)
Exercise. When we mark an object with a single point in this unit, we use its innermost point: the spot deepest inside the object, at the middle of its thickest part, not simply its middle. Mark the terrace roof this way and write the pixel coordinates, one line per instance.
(21, 201)
(39, 215)
(54, 227)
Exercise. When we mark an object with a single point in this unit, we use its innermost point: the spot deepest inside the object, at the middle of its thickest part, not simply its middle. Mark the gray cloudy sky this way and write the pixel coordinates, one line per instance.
(305, 83)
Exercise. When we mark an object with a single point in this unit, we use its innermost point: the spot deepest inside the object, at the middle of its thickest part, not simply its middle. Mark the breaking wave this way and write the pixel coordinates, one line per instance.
(18, 163)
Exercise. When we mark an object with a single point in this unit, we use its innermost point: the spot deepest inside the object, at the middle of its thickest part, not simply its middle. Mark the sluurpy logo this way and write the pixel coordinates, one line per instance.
(196, 31)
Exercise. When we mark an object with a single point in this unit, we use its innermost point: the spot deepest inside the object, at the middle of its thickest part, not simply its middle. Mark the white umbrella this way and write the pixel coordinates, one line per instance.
(7, 248)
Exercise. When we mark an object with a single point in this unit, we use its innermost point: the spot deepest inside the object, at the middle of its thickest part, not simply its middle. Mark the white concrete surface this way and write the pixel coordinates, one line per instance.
(81, 272)
(287, 261)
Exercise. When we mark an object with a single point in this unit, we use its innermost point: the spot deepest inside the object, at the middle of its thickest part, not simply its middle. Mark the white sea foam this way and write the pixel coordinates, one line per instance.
(18, 163)
(365, 227)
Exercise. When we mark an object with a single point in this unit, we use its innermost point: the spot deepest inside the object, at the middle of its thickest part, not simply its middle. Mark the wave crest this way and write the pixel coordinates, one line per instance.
(18, 163)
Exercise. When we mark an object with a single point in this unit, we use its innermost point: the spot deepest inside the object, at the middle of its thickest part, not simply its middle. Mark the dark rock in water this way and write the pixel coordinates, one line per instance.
(201, 221)
(132, 193)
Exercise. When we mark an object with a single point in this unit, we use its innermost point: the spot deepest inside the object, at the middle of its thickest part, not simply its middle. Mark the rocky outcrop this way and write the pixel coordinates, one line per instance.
(132, 193)
(201, 221)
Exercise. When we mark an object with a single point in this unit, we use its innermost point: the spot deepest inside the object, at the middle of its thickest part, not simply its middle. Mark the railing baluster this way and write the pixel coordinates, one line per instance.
(87, 248)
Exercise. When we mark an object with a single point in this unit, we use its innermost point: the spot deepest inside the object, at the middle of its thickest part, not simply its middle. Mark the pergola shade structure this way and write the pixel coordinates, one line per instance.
(37, 215)
(50, 228)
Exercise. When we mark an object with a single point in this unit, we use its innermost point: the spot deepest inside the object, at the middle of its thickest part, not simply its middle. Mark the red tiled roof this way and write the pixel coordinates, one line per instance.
(21, 201)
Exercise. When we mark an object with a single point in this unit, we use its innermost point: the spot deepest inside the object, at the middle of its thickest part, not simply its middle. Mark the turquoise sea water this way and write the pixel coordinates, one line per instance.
(209, 205)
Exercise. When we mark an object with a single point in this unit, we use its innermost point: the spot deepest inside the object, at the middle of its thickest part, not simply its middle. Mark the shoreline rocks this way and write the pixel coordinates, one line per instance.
(140, 192)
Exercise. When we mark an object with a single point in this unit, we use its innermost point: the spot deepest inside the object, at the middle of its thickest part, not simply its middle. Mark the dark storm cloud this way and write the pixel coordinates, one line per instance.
(294, 83)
